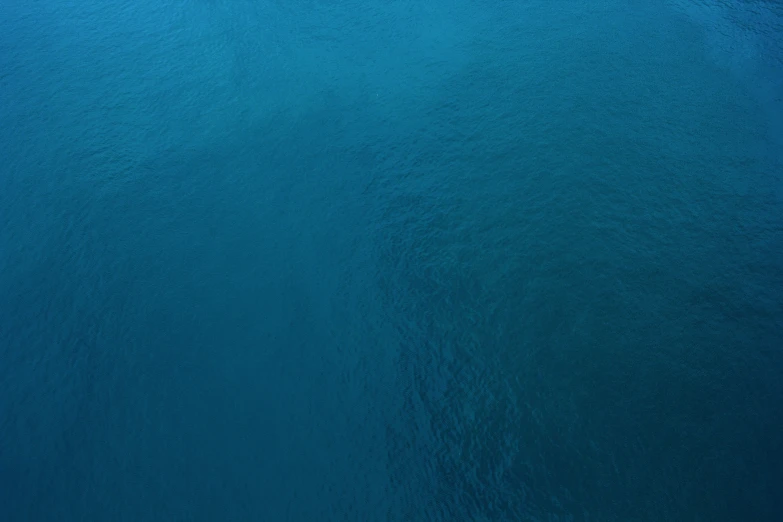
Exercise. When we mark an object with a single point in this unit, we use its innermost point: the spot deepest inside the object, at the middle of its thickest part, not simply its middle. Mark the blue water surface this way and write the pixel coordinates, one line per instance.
(395, 260)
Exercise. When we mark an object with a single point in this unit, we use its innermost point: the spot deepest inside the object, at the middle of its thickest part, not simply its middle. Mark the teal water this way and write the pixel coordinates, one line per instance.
(403, 260)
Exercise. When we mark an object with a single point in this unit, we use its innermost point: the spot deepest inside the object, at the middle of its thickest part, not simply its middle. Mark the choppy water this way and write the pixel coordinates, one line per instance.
(401, 260)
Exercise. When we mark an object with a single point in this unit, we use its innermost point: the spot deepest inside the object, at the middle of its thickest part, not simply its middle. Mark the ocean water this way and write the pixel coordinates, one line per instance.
(391, 261)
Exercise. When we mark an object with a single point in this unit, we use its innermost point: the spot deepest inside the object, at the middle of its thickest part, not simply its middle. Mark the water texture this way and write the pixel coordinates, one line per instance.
(386, 261)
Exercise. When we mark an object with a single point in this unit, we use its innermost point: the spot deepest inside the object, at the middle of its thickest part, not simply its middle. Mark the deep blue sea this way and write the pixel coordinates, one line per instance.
(399, 260)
